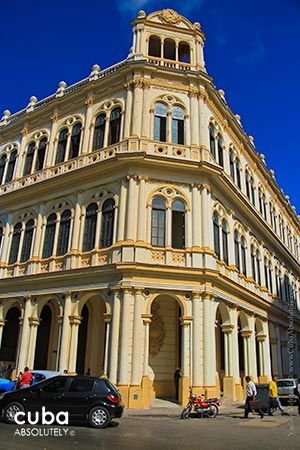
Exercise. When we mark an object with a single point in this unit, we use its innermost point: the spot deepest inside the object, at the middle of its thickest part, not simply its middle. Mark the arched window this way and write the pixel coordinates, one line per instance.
(266, 273)
(178, 224)
(225, 240)
(177, 125)
(220, 152)
(184, 52)
(253, 262)
(1, 235)
(158, 222)
(270, 278)
(243, 253)
(90, 227)
(64, 233)
(169, 49)
(231, 164)
(114, 126)
(160, 122)
(216, 229)
(154, 46)
(11, 166)
(253, 192)
(14, 249)
(107, 224)
(238, 172)
(2, 167)
(41, 152)
(75, 141)
(98, 140)
(26, 248)
(258, 267)
(260, 200)
(49, 236)
(212, 142)
(29, 159)
(247, 181)
(61, 146)
(237, 250)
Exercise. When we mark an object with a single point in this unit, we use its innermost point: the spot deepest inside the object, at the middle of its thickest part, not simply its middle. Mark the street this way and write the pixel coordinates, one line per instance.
(227, 431)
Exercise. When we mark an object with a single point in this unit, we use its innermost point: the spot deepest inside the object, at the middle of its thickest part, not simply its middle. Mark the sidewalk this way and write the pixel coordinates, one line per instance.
(165, 408)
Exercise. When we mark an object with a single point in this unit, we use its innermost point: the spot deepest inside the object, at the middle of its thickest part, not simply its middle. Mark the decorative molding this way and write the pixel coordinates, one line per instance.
(170, 16)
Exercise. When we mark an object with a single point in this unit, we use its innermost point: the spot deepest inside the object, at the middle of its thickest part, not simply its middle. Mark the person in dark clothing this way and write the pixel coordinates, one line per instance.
(251, 393)
(177, 376)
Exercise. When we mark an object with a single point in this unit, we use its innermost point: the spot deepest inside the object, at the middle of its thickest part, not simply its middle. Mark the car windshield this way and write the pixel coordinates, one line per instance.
(285, 383)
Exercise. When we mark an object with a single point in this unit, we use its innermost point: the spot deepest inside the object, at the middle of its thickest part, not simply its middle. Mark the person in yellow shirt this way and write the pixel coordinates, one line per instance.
(274, 401)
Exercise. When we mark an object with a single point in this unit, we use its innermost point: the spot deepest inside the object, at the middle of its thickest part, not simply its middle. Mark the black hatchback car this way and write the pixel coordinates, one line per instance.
(88, 399)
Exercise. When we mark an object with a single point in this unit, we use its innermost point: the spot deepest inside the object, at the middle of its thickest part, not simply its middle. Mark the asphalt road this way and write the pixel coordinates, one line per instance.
(165, 433)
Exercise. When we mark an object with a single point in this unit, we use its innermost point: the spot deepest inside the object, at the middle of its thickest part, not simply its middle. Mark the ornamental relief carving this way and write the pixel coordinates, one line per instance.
(170, 16)
(156, 331)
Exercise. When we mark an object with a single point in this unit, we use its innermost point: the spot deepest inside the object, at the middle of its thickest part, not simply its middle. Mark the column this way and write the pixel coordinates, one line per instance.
(193, 93)
(196, 216)
(231, 256)
(206, 215)
(141, 227)
(185, 347)
(169, 226)
(34, 323)
(234, 356)
(122, 210)
(266, 352)
(146, 107)
(146, 321)
(38, 235)
(125, 335)
(75, 322)
(65, 335)
(88, 128)
(246, 335)
(107, 320)
(22, 155)
(209, 341)
(197, 339)
(2, 323)
(278, 345)
(260, 355)
(114, 340)
(137, 338)
(203, 121)
(6, 241)
(130, 229)
(76, 227)
(127, 118)
(24, 339)
(252, 349)
(226, 351)
(50, 156)
(137, 110)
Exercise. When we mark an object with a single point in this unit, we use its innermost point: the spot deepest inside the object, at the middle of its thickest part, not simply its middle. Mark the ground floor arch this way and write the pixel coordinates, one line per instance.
(10, 336)
(165, 345)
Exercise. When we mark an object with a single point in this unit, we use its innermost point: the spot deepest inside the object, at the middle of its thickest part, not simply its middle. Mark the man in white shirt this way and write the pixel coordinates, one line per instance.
(251, 393)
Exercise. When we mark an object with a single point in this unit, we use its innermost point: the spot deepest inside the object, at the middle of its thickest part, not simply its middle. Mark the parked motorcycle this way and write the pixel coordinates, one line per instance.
(201, 406)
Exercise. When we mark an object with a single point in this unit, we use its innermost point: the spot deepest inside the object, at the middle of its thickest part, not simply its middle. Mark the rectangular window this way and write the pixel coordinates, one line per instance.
(158, 228)
(178, 229)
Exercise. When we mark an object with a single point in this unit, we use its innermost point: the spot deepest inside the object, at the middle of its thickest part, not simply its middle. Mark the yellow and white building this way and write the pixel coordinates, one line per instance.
(141, 230)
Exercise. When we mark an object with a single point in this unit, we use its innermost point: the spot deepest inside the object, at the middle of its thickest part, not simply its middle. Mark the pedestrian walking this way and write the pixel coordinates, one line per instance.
(26, 379)
(177, 376)
(251, 393)
(274, 401)
(297, 392)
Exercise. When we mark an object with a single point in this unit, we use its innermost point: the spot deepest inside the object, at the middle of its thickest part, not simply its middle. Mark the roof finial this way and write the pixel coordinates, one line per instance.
(32, 102)
(95, 72)
(61, 89)
(5, 118)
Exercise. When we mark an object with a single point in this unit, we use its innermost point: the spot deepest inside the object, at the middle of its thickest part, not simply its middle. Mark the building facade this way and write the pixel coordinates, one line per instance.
(141, 231)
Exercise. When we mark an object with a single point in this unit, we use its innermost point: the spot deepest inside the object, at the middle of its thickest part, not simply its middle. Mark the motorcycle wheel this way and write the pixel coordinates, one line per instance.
(185, 413)
(213, 411)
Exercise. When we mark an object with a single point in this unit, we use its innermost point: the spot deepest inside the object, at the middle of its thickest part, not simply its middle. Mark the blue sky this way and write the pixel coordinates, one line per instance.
(251, 51)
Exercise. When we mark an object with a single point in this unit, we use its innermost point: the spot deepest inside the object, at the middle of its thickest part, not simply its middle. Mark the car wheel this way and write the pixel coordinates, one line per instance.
(10, 411)
(99, 417)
